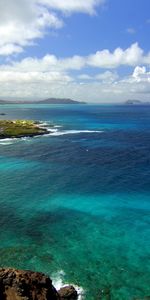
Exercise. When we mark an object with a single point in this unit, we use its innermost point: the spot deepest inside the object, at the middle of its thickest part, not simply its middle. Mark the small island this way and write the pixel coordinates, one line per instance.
(137, 102)
(20, 128)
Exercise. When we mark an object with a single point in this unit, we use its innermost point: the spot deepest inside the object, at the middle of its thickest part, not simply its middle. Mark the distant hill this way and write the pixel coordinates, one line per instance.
(60, 101)
(45, 101)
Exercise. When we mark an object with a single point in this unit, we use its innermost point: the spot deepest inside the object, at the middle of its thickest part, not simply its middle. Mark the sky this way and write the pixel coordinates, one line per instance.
(96, 51)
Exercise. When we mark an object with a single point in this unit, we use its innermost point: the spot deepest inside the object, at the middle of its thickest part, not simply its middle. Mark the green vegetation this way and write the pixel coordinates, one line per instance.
(20, 128)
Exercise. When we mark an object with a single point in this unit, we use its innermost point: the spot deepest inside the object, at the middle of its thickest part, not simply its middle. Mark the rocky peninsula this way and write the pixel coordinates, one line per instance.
(20, 128)
(27, 285)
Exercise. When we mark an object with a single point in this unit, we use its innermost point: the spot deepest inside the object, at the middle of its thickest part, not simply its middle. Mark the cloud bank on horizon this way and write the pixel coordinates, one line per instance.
(76, 49)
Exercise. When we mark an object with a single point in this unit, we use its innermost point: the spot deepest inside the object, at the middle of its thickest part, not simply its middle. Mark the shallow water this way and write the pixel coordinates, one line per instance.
(76, 203)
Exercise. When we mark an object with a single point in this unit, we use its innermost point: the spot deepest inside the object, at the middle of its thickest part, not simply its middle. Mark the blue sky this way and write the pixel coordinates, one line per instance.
(93, 50)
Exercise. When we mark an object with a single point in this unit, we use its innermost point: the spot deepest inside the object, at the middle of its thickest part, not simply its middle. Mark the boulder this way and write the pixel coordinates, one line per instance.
(68, 293)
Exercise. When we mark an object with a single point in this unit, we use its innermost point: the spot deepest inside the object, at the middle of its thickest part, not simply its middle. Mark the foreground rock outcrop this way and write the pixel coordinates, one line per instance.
(27, 285)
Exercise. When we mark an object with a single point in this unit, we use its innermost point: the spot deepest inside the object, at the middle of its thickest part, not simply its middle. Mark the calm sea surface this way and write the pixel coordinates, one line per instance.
(76, 204)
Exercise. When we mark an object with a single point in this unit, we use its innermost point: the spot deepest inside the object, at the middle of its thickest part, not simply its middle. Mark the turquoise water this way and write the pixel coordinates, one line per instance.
(76, 204)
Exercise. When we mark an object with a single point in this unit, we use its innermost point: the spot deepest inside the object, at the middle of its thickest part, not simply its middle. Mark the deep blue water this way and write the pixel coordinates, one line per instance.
(78, 201)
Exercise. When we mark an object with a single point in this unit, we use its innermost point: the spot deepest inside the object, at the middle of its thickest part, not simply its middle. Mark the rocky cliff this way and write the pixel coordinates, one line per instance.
(27, 285)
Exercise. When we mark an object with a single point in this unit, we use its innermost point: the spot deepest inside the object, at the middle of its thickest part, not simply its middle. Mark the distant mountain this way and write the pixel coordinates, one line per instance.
(60, 101)
(45, 101)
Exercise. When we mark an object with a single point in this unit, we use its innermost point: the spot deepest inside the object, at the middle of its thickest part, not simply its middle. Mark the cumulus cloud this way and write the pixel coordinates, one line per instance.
(8, 49)
(135, 85)
(51, 76)
(34, 77)
(85, 77)
(23, 21)
(106, 76)
(140, 76)
(105, 59)
(71, 6)
(131, 56)
(138, 72)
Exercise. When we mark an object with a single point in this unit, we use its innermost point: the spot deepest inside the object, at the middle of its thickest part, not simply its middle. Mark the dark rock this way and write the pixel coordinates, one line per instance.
(26, 285)
(68, 292)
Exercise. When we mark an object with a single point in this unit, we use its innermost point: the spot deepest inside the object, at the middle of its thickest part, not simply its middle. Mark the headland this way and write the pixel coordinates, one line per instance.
(20, 128)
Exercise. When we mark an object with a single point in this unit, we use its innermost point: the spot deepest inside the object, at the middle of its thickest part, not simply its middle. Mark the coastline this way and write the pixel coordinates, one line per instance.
(10, 129)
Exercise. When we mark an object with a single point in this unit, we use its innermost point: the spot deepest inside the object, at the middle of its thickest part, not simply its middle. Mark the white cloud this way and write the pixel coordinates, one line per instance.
(46, 64)
(105, 59)
(34, 77)
(23, 21)
(19, 31)
(85, 77)
(131, 56)
(138, 72)
(131, 30)
(9, 49)
(50, 76)
(72, 6)
(53, 77)
(106, 76)
(34, 86)
(140, 76)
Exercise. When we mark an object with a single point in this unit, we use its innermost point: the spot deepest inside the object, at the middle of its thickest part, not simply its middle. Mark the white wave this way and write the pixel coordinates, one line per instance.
(46, 125)
(49, 123)
(53, 130)
(57, 279)
(58, 282)
(63, 132)
(43, 123)
(57, 126)
(8, 141)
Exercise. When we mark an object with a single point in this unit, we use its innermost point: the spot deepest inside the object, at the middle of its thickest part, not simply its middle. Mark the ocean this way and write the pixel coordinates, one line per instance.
(75, 204)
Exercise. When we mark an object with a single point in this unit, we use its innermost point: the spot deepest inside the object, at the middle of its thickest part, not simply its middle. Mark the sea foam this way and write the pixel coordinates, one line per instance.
(65, 132)
(58, 282)
(8, 141)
